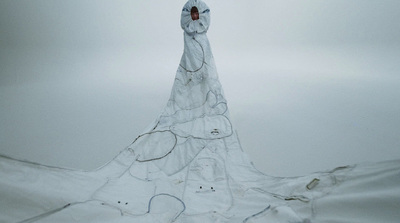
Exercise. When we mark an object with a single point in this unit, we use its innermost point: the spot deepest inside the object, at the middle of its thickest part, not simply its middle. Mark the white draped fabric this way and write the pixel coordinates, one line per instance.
(188, 166)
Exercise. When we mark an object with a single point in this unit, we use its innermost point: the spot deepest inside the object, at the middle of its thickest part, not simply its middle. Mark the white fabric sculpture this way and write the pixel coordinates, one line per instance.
(188, 166)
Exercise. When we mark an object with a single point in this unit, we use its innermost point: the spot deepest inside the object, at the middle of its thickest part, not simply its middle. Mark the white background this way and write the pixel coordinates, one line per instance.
(311, 84)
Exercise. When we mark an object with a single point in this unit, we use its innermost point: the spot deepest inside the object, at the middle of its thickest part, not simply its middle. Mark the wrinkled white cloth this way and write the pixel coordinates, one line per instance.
(188, 166)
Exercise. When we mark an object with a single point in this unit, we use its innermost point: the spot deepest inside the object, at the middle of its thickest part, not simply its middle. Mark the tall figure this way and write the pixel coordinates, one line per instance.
(191, 138)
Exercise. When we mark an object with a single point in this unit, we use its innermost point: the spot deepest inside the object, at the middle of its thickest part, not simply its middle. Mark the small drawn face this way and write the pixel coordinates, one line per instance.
(194, 12)
(205, 189)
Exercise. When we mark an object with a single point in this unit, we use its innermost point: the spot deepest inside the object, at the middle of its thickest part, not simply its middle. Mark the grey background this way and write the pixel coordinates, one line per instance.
(311, 85)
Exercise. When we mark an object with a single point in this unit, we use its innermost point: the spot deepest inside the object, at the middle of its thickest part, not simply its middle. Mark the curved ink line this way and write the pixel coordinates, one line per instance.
(256, 214)
(202, 62)
(164, 194)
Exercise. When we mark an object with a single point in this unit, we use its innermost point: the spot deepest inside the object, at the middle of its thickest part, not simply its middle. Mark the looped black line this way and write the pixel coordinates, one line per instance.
(161, 157)
(169, 195)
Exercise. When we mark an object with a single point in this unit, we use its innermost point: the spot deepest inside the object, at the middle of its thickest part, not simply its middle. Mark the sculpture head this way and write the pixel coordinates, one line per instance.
(195, 17)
